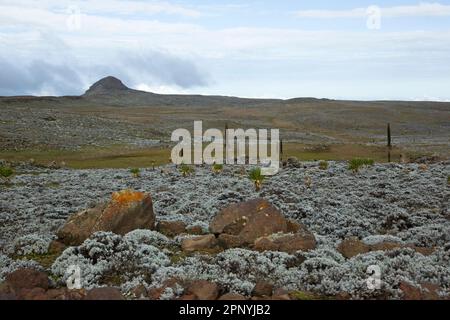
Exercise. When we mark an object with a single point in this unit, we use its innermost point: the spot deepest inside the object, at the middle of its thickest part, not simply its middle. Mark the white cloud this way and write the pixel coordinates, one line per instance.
(107, 7)
(423, 9)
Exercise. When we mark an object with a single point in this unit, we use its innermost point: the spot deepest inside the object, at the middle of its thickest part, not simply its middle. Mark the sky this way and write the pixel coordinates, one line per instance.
(362, 50)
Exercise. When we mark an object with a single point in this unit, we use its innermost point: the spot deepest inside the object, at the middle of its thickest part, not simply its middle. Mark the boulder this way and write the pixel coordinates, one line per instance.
(171, 228)
(119, 216)
(352, 246)
(106, 293)
(249, 220)
(203, 290)
(199, 243)
(26, 279)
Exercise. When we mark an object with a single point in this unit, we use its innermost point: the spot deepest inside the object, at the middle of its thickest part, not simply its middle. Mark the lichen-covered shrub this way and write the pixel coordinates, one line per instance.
(31, 244)
(148, 237)
(376, 239)
(109, 256)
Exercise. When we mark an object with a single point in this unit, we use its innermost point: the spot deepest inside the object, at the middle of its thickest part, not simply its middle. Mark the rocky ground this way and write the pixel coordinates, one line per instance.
(337, 223)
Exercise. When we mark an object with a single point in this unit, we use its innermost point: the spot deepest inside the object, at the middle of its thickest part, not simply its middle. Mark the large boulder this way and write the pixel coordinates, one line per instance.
(25, 278)
(126, 212)
(249, 220)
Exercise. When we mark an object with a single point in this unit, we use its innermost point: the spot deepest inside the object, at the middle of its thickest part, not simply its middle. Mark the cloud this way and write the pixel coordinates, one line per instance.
(108, 7)
(71, 77)
(423, 9)
(37, 77)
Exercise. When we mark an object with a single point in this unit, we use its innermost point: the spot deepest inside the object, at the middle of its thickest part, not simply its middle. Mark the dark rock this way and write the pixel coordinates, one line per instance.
(171, 228)
(351, 247)
(106, 293)
(204, 290)
(262, 288)
(27, 279)
(199, 243)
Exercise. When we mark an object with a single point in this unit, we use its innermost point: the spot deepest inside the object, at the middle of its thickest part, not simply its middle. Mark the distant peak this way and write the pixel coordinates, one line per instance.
(106, 85)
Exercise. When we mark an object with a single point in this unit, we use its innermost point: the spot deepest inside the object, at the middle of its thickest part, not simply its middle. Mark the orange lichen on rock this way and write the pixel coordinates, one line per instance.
(125, 197)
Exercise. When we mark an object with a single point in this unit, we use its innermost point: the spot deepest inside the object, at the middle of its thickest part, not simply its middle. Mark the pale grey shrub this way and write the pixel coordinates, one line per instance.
(149, 237)
(106, 253)
(32, 244)
(376, 239)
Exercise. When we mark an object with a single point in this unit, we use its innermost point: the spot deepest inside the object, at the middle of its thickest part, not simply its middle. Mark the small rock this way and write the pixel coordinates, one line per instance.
(188, 297)
(352, 247)
(228, 241)
(139, 291)
(410, 292)
(262, 288)
(106, 293)
(251, 219)
(56, 247)
(290, 243)
(195, 230)
(171, 228)
(199, 243)
(430, 291)
(232, 297)
(204, 290)
(281, 294)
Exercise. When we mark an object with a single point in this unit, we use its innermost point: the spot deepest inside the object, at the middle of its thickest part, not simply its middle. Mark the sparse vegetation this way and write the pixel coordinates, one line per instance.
(358, 163)
(6, 173)
(186, 170)
(323, 165)
(257, 178)
(217, 167)
(308, 181)
(136, 172)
